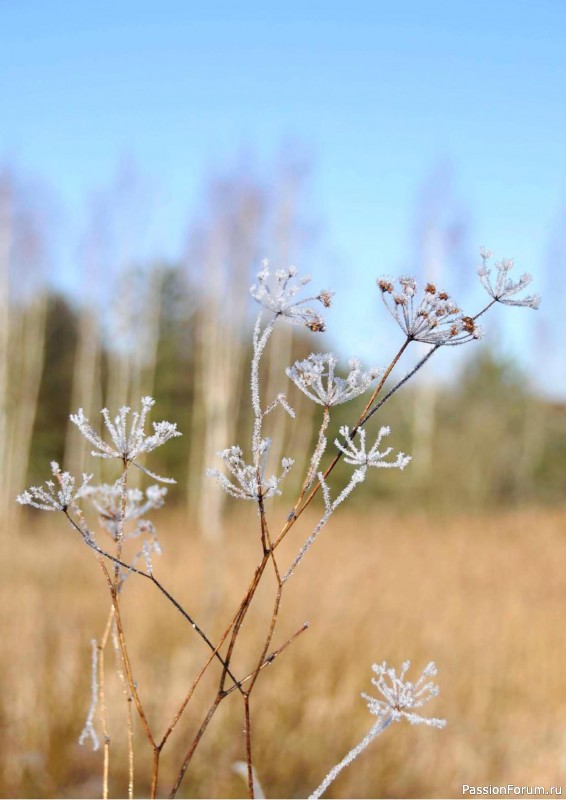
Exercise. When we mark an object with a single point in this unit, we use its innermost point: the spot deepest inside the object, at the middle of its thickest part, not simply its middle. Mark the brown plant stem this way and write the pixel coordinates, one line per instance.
(125, 657)
(130, 750)
(130, 730)
(271, 657)
(248, 736)
(188, 696)
(240, 616)
(103, 709)
(218, 699)
(154, 772)
(89, 540)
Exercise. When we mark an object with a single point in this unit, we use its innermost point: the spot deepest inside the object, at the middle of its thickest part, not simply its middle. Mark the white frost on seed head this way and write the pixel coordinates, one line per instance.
(315, 376)
(128, 437)
(54, 496)
(278, 294)
(504, 289)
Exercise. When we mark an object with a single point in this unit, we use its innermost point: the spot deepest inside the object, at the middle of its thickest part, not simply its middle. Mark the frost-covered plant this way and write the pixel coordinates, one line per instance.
(127, 445)
(315, 376)
(429, 317)
(398, 698)
(54, 496)
(106, 499)
(251, 483)
(505, 289)
(434, 319)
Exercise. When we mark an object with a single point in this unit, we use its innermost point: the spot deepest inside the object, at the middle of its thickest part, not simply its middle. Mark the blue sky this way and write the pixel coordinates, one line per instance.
(379, 94)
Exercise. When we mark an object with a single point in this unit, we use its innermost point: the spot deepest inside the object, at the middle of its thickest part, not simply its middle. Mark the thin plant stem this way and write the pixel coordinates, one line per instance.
(129, 721)
(240, 616)
(154, 772)
(121, 523)
(375, 730)
(125, 657)
(105, 768)
(219, 698)
(149, 576)
(187, 760)
(271, 657)
(196, 682)
(103, 708)
(130, 750)
(398, 385)
(248, 735)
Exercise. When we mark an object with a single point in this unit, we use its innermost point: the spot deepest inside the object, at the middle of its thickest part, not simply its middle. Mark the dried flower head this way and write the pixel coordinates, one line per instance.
(107, 500)
(400, 696)
(315, 377)
(250, 483)
(54, 496)
(359, 456)
(127, 444)
(504, 289)
(280, 297)
(435, 319)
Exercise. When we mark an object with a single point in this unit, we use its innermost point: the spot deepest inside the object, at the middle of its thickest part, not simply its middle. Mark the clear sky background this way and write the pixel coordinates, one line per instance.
(379, 94)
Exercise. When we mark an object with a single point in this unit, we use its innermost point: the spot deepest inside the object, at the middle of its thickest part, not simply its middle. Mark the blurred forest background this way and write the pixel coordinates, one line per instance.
(481, 431)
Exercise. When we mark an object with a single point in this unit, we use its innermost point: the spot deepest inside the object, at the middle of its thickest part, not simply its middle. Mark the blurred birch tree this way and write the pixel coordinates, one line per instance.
(119, 306)
(245, 218)
(440, 239)
(23, 303)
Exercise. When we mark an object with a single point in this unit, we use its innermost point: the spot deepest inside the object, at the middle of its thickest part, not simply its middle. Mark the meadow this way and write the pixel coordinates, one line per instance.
(481, 595)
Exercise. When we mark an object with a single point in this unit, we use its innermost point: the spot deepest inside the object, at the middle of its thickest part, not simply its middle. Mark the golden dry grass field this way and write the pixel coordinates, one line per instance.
(485, 597)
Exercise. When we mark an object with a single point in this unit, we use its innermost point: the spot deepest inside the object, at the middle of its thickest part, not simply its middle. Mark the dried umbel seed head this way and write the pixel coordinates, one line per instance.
(54, 496)
(316, 325)
(325, 298)
(316, 377)
(469, 325)
(504, 289)
(435, 319)
(384, 285)
(129, 439)
(249, 481)
(108, 501)
(278, 293)
(409, 286)
(358, 455)
(399, 697)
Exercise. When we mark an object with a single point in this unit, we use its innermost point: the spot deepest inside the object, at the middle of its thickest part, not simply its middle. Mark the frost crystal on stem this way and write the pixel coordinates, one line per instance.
(251, 483)
(359, 456)
(127, 445)
(53, 498)
(432, 320)
(89, 731)
(399, 696)
(280, 297)
(315, 376)
(504, 289)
